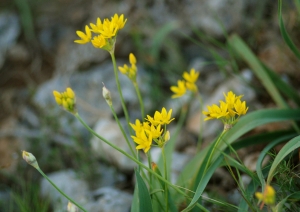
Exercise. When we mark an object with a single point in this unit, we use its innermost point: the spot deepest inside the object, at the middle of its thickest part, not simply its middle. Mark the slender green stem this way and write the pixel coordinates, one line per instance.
(135, 160)
(166, 176)
(150, 166)
(213, 151)
(119, 90)
(122, 129)
(199, 144)
(60, 191)
(140, 99)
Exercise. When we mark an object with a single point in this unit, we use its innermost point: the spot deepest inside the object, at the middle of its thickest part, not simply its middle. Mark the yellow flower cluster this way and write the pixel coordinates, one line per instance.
(268, 196)
(66, 99)
(105, 31)
(229, 111)
(130, 71)
(151, 130)
(189, 83)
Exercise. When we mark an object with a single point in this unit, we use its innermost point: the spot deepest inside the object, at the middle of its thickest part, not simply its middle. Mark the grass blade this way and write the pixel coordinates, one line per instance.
(284, 33)
(239, 46)
(145, 204)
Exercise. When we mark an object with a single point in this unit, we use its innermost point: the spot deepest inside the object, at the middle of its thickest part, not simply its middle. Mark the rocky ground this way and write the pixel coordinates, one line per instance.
(38, 55)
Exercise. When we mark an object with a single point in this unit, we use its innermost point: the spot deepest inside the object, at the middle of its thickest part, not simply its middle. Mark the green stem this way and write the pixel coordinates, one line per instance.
(60, 191)
(166, 176)
(150, 166)
(119, 89)
(213, 151)
(140, 99)
(199, 144)
(122, 129)
(135, 160)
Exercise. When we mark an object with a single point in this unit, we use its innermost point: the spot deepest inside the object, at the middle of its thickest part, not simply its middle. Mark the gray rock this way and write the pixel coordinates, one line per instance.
(209, 16)
(70, 184)
(109, 130)
(110, 200)
(10, 30)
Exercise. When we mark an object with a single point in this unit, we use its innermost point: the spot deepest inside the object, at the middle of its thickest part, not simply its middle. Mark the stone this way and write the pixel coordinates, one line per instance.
(70, 184)
(10, 30)
(109, 199)
(110, 130)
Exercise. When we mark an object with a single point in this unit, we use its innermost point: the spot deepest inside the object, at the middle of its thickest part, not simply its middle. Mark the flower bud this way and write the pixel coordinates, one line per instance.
(106, 95)
(71, 207)
(167, 136)
(30, 159)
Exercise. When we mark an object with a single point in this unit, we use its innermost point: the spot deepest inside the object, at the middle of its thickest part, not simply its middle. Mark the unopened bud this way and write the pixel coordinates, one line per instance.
(71, 207)
(106, 95)
(167, 136)
(30, 159)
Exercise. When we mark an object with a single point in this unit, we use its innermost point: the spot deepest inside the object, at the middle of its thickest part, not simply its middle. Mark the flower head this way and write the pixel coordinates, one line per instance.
(105, 31)
(143, 140)
(151, 130)
(189, 83)
(229, 111)
(85, 37)
(131, 71)
(178, 90)
(99, 41)
(267, 197)
(66, 99)
(162, 117)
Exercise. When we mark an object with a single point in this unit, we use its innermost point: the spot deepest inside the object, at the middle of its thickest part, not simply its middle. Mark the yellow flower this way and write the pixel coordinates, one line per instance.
(268, 196)
(85, 37)
(99, 41)
(162, 117)
(240, 107)
(119, 21)
(143, 141)
(109, 29)
(66, 99)
(30, 159)
(98, 27)
(228, 112)
(191, 77)
(130, 71)
(155, 131)
(137, 127)
(178, 90)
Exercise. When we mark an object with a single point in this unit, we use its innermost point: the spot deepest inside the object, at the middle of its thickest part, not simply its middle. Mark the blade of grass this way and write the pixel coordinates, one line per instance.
(284, 33)
(145, 204)
(239, 46)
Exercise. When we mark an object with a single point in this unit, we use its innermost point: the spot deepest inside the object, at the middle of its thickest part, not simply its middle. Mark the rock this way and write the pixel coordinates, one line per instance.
(251, 159)
(209, 16)
(70, 184)
(110, 130)
(109, 200)
(10, 30)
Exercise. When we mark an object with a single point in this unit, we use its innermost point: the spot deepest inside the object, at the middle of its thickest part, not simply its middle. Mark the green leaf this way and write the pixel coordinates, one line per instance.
(239, 46)
(135, 201)
(284, 33)
(145, 204)
(287, 149)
